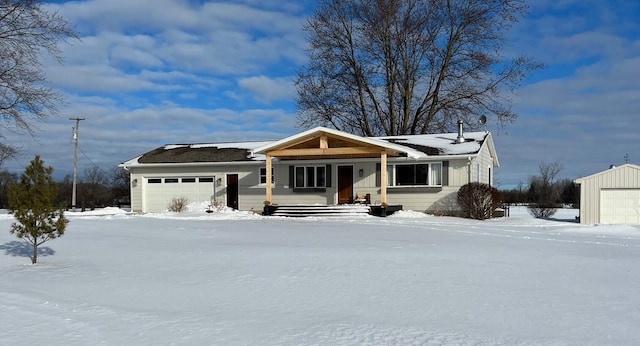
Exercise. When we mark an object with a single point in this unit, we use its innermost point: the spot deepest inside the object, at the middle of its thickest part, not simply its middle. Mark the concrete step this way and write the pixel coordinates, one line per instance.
(320, 210)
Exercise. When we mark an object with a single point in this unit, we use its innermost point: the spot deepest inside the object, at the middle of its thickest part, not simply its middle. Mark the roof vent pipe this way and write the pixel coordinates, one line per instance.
(460, 138)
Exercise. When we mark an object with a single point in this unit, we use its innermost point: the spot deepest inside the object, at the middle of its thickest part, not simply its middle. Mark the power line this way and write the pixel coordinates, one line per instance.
(93, 163)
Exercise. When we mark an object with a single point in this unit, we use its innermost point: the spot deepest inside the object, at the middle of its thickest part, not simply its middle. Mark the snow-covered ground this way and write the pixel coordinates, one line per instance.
(234, 278)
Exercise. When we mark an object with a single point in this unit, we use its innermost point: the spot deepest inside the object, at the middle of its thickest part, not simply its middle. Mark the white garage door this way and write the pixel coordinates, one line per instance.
(620, 206)
(159, 192)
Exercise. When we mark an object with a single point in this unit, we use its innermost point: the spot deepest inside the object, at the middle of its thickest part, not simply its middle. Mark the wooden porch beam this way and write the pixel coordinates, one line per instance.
(383, 178)
(374, 151)
(268, 182)
(324, 142)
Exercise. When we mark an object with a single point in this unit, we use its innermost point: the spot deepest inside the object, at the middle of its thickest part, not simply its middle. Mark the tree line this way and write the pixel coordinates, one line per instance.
(94, 188)
(544, 190)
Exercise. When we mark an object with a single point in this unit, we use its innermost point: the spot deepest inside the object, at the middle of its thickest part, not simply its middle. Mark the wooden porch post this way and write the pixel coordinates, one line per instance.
(383, 177)
(268, 182)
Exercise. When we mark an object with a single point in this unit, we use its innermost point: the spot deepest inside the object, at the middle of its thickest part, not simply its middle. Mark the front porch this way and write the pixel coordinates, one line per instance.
(302, 210)
(327, 148)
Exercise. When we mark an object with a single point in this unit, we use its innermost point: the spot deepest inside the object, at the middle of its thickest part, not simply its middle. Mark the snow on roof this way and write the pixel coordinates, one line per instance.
(444, 143)
(414, 146)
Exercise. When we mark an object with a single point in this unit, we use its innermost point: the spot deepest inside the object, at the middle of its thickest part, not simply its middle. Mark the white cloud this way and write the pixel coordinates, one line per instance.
(268, 89)
(151, 72)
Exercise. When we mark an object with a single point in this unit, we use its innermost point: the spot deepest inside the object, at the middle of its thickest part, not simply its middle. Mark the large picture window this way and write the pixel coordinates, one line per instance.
(310, 176)
(425, 174)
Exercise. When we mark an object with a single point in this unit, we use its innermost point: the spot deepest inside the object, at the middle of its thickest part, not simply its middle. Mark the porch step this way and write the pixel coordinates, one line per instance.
(320, 210)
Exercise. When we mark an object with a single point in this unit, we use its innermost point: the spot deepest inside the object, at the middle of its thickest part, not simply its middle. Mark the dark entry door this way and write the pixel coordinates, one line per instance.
(345, 184)
(232, 191)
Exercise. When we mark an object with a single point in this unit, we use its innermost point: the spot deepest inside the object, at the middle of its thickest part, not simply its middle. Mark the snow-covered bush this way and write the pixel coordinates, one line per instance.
(479, 201)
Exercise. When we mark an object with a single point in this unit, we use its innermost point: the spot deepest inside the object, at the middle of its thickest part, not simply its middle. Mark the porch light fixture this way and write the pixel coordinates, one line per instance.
(361, 172)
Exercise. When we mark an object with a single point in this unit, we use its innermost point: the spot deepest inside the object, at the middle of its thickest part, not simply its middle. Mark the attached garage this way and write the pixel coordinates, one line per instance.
(611, 196)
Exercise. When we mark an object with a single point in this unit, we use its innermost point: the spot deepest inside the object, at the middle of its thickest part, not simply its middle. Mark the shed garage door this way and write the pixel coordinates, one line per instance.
(621, 206)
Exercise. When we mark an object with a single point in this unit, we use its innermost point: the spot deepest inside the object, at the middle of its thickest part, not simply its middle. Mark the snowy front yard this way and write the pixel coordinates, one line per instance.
(241, 279)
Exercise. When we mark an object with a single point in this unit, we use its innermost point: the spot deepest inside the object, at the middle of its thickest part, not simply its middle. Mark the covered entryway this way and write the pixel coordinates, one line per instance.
(620, 206)
(326, 145)
(345, 184)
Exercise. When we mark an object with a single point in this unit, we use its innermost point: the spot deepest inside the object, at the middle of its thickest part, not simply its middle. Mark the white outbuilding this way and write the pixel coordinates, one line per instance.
(611, 196)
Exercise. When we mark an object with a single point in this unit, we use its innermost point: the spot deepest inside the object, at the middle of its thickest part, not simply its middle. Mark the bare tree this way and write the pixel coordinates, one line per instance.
(391, 67)
(94, 187)
(27, 30)
(543, 190)
(8, 152)
(120, 185)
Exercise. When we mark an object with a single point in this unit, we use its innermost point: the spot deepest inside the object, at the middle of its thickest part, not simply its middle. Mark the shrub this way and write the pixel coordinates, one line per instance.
(479, 201)
(542, 211)
(544, 192)
(216, 206)
(178, 204)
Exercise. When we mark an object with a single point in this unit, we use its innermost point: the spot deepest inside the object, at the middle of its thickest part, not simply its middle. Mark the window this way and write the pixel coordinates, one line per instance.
(206, 180)
(188, 180)
(263, 176)
(310, 176)
(170, 180)
(426, 174)
(155, 181)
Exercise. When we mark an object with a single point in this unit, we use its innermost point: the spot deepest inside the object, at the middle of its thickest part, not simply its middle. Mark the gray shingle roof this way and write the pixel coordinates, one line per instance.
(422, 145)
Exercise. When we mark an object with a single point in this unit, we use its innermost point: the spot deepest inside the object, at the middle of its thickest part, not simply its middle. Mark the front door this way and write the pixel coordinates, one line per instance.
(345, 184)
(232, 191)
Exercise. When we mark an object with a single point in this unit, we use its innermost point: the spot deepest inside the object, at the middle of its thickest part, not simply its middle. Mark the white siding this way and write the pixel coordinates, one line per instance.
(623, 177)
(136, 184)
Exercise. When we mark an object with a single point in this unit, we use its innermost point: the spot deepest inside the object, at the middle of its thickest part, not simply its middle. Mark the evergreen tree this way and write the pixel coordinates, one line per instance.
(32, 203)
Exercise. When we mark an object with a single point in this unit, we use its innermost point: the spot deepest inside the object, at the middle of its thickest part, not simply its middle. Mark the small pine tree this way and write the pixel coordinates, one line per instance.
(32, 203)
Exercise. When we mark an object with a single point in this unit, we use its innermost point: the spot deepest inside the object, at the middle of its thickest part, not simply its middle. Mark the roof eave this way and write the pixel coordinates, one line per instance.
(626, 165)
(178, 164)
(320, 129)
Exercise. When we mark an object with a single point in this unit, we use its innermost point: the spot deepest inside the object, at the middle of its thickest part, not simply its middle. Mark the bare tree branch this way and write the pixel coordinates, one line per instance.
(391, 67)
(27, 31)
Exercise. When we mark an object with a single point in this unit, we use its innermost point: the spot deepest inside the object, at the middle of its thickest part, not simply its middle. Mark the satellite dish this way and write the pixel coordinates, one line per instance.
(482, 120)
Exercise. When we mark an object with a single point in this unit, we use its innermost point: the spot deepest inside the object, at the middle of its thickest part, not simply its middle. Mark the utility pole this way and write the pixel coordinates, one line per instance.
(75, 161)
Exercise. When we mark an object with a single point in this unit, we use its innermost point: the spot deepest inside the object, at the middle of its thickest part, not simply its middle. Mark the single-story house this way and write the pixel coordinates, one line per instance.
(611, 196)
(320, 166)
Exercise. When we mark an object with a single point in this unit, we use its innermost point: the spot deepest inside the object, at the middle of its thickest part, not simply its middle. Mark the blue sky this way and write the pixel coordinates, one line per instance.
(152, 72)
